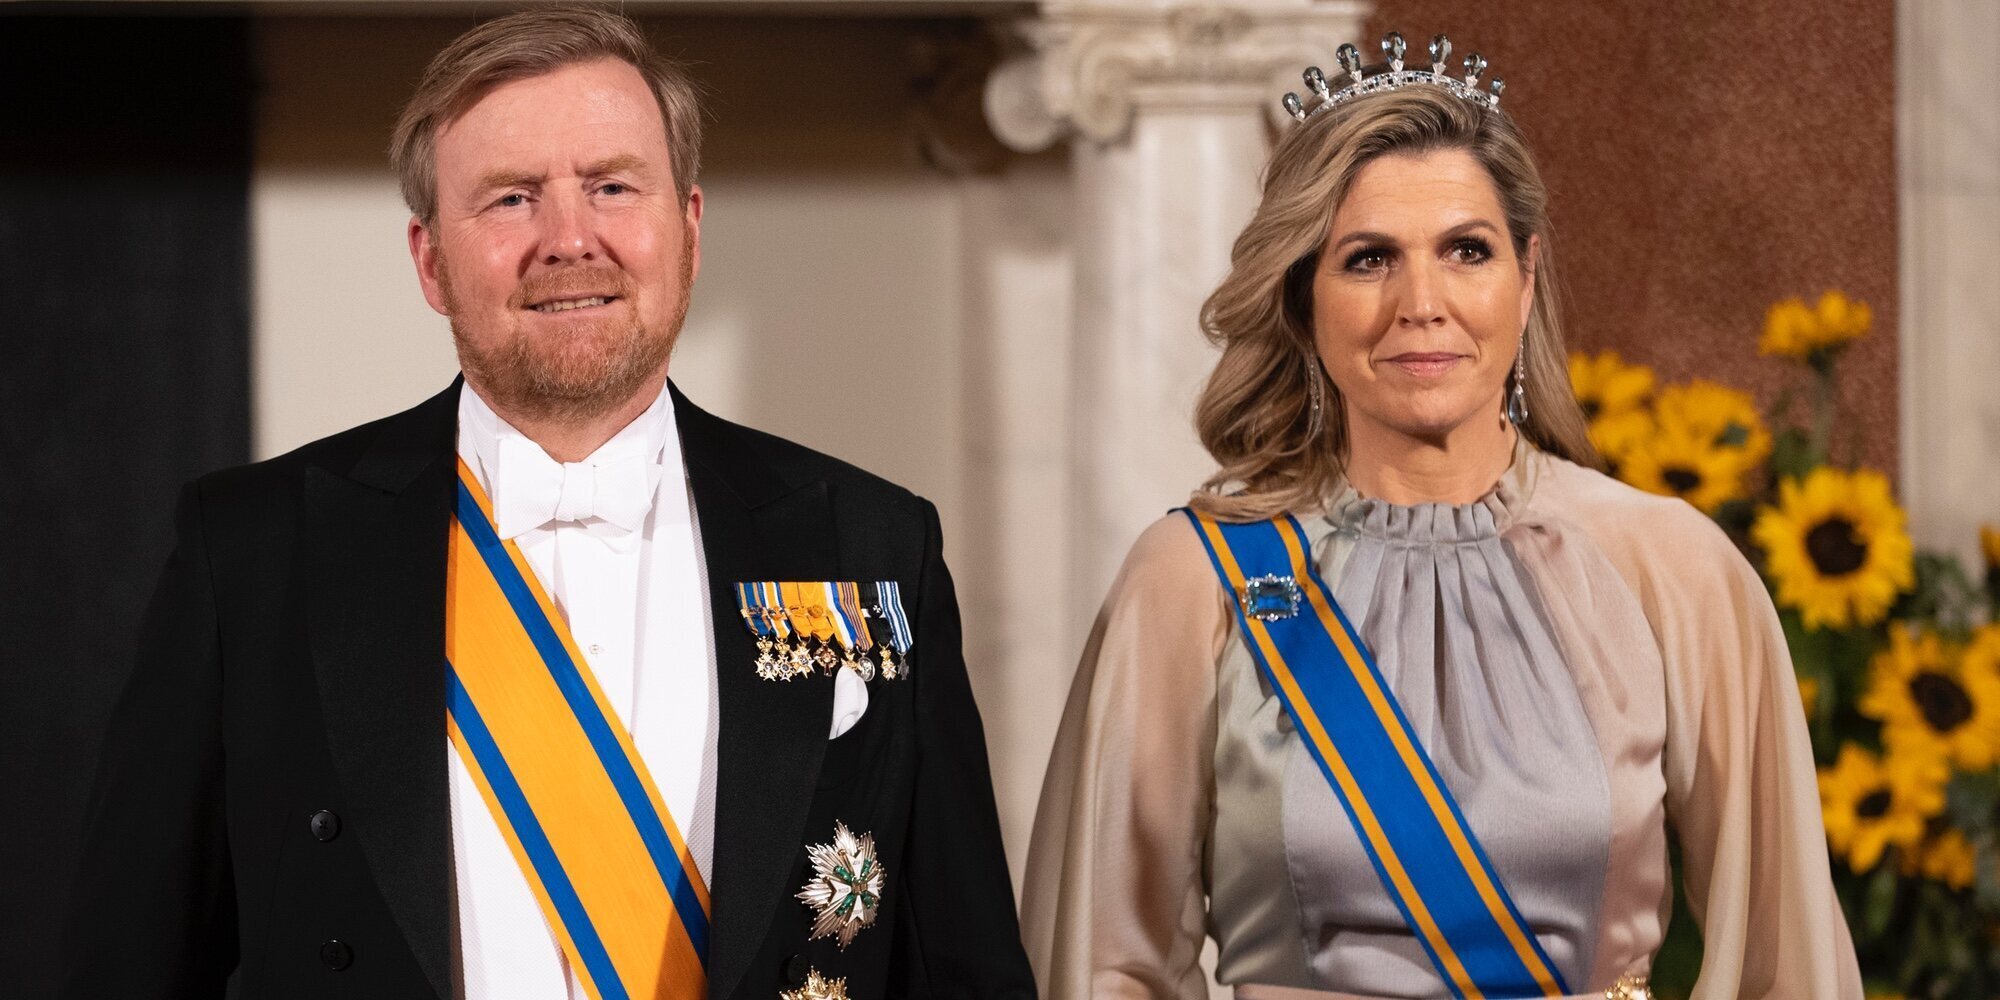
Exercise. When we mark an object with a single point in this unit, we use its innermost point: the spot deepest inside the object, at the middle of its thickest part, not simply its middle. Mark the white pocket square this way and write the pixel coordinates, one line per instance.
(850, 702)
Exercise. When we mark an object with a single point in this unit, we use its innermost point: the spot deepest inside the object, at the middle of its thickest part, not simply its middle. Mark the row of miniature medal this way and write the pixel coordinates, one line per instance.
(800, 626)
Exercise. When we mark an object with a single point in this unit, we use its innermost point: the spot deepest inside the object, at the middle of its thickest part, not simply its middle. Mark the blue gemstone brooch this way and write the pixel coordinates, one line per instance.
(1269, 598)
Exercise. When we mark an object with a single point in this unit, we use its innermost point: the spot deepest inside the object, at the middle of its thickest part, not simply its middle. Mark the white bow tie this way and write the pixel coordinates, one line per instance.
(531, 489)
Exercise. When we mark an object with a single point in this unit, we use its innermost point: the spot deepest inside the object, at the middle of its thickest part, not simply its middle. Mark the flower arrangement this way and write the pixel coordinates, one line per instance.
(1897, 651)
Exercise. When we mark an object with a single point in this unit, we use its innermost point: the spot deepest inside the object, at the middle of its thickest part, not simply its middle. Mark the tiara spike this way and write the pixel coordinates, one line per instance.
(1475, 64)
(1440, 55)
(1350, 60)
(1393, 47)
(1295, 107)
(1316, 81)
(1498, 86)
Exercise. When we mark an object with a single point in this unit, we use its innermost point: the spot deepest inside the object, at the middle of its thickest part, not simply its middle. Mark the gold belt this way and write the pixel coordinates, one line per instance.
(1629, 987)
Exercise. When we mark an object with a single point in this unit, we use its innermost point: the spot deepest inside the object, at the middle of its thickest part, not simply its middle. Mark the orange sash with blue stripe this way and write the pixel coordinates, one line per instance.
(1406, 819)
(562, 778)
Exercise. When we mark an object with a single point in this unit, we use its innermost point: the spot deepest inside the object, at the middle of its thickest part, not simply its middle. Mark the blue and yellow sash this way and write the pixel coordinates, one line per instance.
(1419, 843)
(562, 778)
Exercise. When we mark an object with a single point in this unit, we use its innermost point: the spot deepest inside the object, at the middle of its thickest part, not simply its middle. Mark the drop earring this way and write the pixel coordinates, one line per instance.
(1517, 399)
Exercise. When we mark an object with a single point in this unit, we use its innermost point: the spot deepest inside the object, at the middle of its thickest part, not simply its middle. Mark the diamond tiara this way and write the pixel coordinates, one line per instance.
(1397, 77)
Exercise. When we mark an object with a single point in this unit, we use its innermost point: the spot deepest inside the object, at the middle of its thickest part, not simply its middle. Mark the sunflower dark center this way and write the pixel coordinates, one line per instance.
(1681, 480)
(1873, 804)
(1834, 547)
(1733, 436)
(1943, 701)
(1591, 408)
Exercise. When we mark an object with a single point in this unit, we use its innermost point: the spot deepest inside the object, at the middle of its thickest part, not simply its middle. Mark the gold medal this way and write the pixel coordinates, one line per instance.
(817, 987)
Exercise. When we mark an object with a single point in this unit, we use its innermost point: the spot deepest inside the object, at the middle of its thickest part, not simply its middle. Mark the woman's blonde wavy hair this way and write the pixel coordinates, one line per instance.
(1254, 414)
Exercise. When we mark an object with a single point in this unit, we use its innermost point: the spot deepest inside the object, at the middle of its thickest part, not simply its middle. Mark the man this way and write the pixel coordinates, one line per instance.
(554, 685)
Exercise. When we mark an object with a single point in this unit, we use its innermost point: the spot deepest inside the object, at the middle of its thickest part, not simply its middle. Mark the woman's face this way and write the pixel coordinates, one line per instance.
(1419, 299)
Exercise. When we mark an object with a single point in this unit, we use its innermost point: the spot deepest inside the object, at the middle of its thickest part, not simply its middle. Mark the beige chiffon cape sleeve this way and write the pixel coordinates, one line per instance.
(1742, 792)
(1114, 904)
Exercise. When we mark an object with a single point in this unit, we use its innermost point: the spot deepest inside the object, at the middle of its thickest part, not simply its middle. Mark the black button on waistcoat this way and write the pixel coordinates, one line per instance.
(336, 954)
(795, 970)
(325, 826)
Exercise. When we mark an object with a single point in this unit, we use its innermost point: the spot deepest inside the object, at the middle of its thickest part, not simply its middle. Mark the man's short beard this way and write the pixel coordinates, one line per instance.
(581, 378)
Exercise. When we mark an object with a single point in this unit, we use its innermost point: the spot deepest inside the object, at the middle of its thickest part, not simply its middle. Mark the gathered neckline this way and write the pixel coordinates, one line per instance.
(1441, 523)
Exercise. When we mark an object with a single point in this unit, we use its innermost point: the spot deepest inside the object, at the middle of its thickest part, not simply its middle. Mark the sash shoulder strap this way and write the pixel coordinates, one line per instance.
(1419, 843)
(561, 777)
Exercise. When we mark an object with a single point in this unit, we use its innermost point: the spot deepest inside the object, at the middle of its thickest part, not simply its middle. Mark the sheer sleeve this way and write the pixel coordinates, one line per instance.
(1114, 902)
(1741, 787)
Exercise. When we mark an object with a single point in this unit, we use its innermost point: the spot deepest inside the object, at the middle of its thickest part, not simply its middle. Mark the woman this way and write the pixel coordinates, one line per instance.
(1563, 669)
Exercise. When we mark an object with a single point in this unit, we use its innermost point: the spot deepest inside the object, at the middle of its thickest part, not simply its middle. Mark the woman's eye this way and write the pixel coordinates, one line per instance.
(1470, 252)
(1368, 260)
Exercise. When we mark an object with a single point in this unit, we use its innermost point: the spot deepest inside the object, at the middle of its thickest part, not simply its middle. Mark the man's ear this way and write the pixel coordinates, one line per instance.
(691, 218)
(424, 254)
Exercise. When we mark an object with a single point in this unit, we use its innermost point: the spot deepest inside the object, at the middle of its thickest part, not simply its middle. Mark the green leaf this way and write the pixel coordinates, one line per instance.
(1971, 800)
(1736, 517)
(1878, 901)
(1791, 455)
(1986, 888)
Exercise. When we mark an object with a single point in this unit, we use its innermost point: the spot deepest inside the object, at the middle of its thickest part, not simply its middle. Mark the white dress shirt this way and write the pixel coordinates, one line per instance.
(636, 601)
(637, 604)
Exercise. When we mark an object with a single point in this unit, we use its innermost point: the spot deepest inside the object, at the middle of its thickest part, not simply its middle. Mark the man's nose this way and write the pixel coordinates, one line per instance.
(567, 236)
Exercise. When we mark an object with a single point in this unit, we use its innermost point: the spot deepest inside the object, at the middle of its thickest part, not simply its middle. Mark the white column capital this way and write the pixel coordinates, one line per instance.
(1090, 67)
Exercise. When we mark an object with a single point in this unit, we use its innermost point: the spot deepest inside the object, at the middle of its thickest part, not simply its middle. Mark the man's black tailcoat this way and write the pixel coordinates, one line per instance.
(292, 665)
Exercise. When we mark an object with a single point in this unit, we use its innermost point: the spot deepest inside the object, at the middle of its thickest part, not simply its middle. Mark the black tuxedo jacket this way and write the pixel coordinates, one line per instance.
(272, 804)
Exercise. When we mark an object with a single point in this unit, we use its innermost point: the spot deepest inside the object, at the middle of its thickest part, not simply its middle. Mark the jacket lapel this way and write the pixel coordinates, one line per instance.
(375, 560)
(755, 525)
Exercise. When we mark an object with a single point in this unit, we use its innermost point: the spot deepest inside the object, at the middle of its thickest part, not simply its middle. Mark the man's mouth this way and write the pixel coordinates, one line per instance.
(565, 305)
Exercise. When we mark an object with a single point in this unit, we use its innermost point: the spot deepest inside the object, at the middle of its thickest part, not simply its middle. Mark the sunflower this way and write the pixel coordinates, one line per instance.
(1605, 384)
(1674, 462)
(1836, 547)
(1947, 857)
(1793, 329)
(1923, 690)
(1727, 417)
(1617, 435)
(1872, 803)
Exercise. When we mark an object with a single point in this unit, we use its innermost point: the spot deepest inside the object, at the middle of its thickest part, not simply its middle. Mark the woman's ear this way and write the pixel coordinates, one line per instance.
(1529, 261)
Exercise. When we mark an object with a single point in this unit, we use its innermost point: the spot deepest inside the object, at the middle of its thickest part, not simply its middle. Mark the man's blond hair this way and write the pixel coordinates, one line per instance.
(525, 45)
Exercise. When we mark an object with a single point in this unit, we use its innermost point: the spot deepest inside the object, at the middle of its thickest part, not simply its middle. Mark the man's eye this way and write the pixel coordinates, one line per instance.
(613, 188)
(512, 200)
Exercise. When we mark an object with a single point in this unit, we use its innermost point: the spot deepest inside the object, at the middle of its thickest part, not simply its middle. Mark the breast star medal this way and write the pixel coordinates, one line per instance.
(817, 987)
(845, 890)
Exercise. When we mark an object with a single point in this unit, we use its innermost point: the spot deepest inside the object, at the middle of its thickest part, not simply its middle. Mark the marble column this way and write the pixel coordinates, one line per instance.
(1168, 111)
(1950, 337)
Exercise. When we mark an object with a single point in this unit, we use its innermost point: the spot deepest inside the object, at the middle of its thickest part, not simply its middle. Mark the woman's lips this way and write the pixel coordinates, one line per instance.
(1422, 365)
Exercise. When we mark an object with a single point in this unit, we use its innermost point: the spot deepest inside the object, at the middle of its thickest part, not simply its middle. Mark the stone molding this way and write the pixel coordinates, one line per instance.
(1085, 70)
